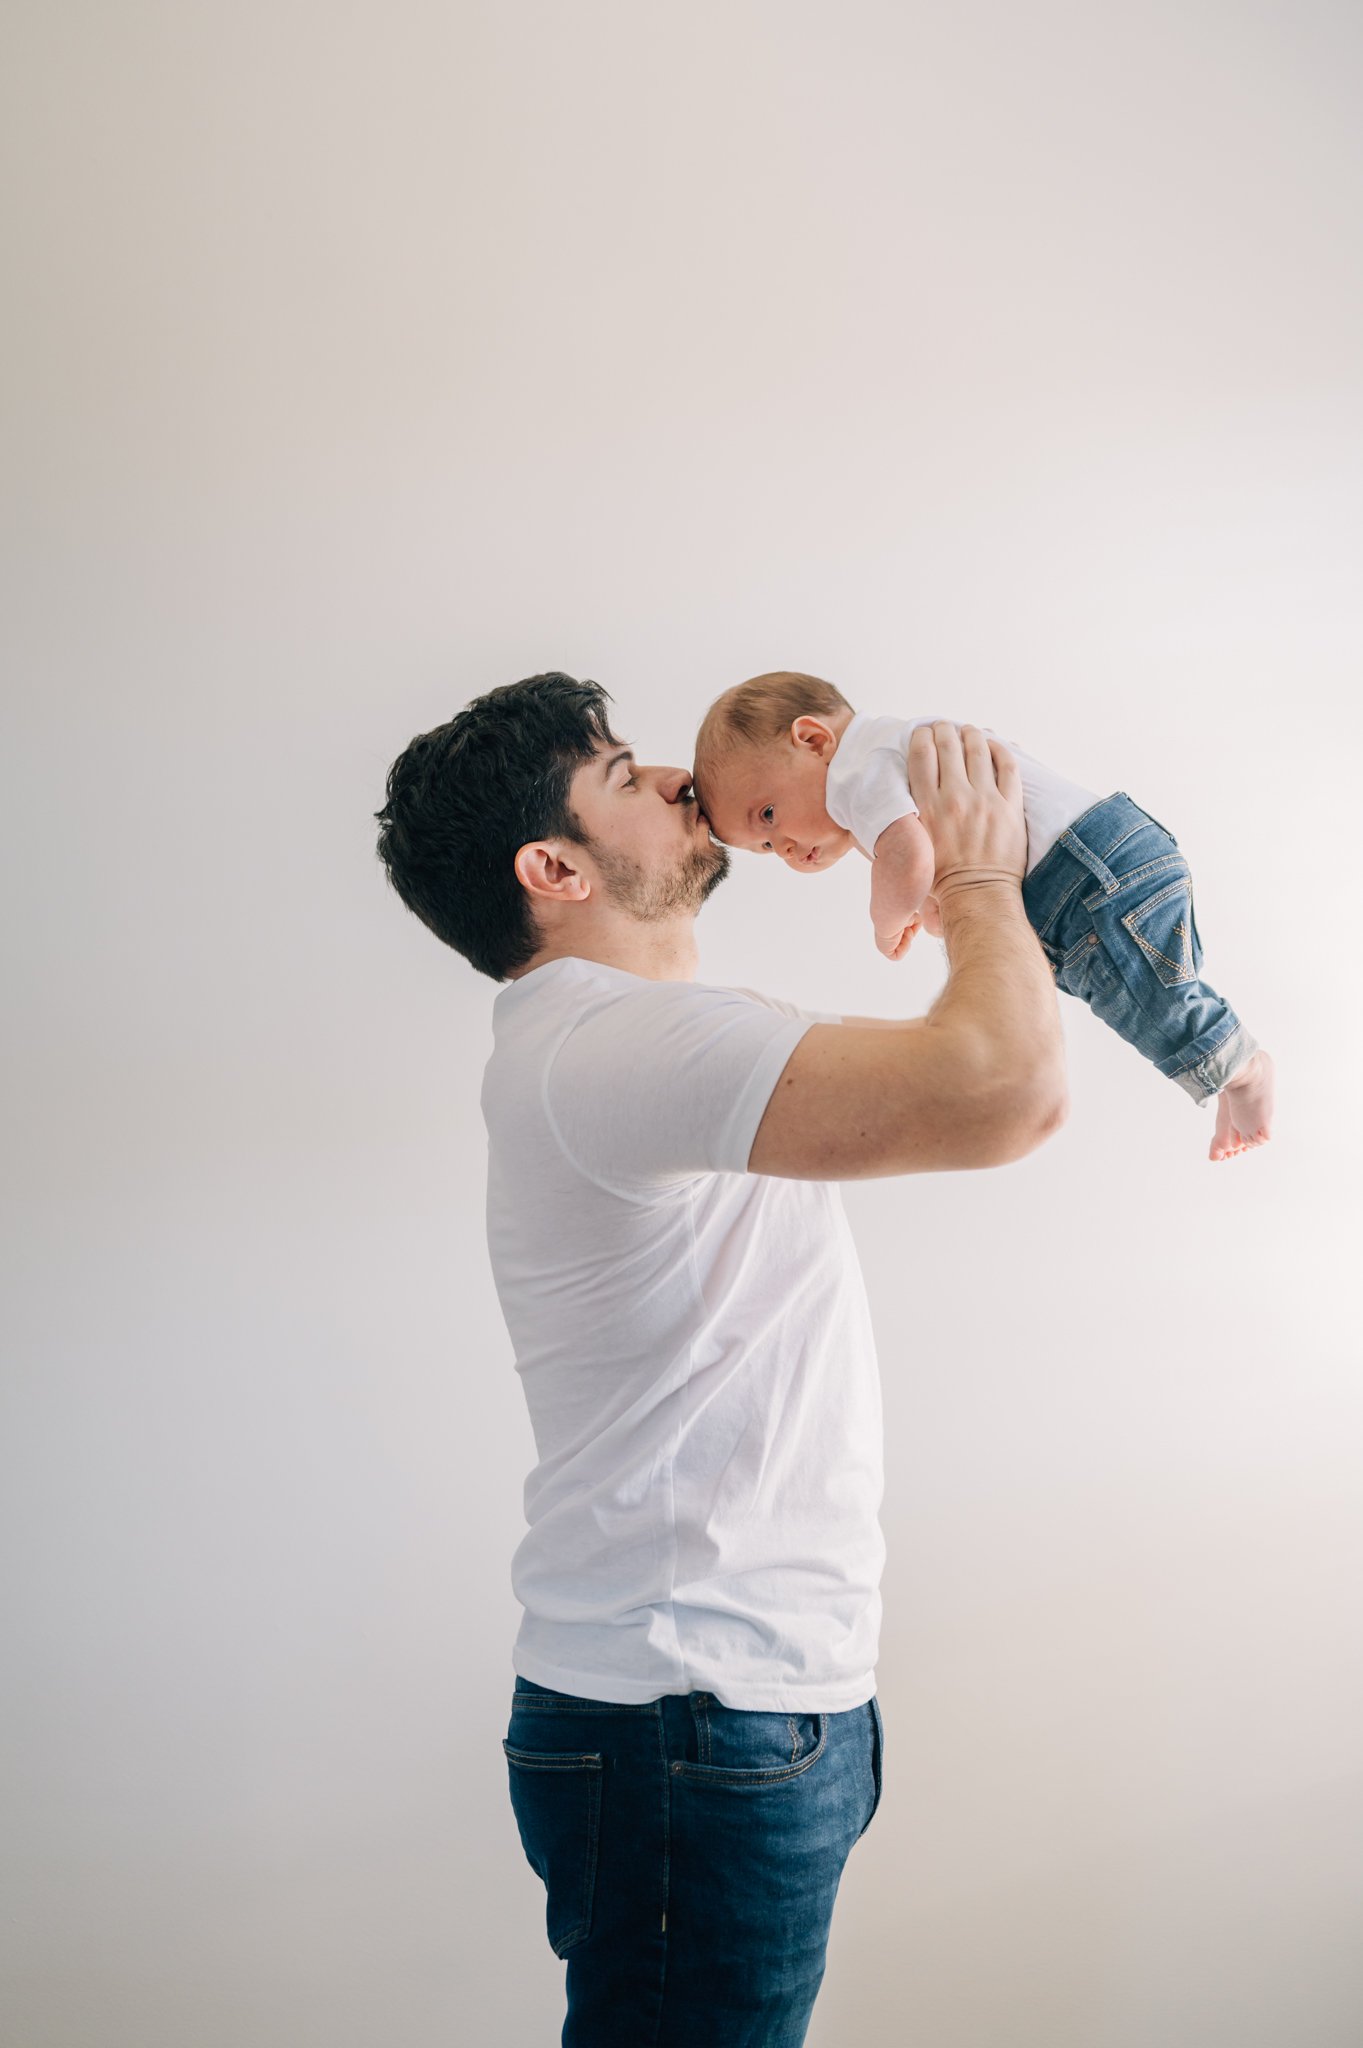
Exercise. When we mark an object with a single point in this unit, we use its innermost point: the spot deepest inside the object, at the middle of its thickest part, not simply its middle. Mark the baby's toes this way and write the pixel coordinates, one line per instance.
(1224, 1140)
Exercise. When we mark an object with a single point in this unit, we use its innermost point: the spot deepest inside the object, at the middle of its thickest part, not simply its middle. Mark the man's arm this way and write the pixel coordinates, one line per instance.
(980, 1080)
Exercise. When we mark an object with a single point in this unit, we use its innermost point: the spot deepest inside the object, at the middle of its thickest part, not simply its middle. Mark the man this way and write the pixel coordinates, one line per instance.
(695, 1742)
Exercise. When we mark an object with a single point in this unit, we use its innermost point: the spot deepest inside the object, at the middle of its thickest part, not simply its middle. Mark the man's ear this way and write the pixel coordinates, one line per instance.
(546, 872)
(813, 736)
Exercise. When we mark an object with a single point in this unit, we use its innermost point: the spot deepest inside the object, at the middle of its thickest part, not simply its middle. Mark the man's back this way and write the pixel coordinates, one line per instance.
(696, 1353)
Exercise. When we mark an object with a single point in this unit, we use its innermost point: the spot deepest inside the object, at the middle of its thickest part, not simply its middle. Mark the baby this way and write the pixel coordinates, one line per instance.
(784, 765)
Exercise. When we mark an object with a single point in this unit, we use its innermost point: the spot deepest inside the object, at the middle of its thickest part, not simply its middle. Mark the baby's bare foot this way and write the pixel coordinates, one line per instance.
(1244, 1109)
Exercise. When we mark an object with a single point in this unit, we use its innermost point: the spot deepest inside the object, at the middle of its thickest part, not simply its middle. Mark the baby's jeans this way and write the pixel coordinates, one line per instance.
(1112, 904)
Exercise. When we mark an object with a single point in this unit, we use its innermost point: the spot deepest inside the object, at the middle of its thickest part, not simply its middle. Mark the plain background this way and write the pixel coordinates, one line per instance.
(1002, 361)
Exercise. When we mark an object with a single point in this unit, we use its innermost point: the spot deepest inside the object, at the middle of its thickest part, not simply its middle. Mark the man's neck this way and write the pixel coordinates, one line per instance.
(665, 951)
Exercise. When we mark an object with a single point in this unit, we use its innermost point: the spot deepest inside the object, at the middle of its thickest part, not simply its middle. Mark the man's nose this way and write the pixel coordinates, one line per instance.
(675, 783)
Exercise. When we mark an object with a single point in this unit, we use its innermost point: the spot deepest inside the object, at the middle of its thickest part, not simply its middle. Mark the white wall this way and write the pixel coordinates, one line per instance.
(994, 359)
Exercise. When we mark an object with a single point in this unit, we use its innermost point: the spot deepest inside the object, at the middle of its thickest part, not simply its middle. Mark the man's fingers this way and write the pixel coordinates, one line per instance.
(979, 760)
(951, 771)
(922, 763)
(1006, 770)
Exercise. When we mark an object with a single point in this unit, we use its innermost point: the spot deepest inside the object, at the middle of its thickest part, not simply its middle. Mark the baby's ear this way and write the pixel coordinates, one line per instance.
(812, 736)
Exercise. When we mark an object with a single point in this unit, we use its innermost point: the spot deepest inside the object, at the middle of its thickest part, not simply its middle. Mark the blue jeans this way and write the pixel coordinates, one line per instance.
(690, 1854)
(1112, 904)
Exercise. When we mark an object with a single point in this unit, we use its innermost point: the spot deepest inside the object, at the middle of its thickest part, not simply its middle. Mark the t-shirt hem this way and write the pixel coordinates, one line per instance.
(613, 1689)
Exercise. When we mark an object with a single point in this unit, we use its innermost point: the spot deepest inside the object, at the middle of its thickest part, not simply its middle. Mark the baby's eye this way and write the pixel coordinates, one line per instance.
(767, 813)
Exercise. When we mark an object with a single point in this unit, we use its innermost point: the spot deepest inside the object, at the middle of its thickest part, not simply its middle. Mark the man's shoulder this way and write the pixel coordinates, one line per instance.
(575, 987)
(640, 1085)
(585, 1004)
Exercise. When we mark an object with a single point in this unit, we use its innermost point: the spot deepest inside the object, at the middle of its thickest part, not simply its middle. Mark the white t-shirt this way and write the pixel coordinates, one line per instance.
(695, 1348)
(868, 786)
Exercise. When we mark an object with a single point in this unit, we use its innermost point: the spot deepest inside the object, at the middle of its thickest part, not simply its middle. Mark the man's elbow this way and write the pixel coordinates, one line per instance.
(1032, 1112)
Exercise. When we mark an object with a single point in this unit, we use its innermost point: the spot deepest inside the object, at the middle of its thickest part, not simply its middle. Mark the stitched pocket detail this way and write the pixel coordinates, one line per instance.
(751, 1780)
(1162, 927)
(556, 1798)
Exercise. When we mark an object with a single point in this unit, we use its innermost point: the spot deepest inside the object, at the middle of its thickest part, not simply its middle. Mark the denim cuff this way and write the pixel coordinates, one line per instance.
(1208, 1076)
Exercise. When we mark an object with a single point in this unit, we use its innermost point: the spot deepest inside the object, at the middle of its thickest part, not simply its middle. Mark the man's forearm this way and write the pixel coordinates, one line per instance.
(999, 1005)
(979, 1081)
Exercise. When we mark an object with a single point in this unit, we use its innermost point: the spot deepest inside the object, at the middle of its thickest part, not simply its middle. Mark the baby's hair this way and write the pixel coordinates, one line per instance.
(755, 713)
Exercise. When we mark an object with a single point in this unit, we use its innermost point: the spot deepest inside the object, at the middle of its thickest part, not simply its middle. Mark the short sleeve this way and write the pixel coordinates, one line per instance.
(874, 797)
(785, 1009)
(666, 1082)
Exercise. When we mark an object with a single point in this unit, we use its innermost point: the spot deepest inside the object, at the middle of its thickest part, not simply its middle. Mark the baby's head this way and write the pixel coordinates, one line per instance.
(762, 756)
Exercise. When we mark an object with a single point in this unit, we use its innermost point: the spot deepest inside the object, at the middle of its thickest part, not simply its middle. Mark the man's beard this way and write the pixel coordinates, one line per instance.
(650, 899)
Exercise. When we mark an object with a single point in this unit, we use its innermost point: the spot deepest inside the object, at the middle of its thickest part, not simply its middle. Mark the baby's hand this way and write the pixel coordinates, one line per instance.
(894, 940)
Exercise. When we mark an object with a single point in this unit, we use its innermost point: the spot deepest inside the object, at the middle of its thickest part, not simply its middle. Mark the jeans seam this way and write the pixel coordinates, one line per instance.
(526, 1702)
(723, 1775)
(589, 1859)
(877, 1764)
(1203, 1060)
(553, 1760)
(1064, 902)
(1077, 951)
(666, 1794)
(1106, 855)
(1148, 871)
(700, 1702)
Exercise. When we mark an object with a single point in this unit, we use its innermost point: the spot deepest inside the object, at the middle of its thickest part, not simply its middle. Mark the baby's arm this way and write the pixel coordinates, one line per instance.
(901, 876)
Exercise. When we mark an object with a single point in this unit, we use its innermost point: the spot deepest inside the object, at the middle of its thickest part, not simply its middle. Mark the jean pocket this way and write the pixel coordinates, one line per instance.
(556, 1799)
(1162, 926)
(748, 1750)
(877, 1761)
(1074, 967)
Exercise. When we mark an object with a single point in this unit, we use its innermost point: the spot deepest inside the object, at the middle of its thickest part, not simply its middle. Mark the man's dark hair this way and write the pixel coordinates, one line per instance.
(463, 799)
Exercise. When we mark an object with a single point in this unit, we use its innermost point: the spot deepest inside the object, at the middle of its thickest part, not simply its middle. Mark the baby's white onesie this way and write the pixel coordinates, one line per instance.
(868, 786)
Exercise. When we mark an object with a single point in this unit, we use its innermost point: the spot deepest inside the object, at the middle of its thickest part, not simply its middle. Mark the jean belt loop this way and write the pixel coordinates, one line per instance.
(1089, 859)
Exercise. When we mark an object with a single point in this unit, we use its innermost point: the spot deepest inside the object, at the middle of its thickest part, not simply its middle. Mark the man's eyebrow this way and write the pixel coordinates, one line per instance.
(612, 762)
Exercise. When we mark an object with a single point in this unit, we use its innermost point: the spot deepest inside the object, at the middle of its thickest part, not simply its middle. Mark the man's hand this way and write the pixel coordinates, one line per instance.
(969, 796)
